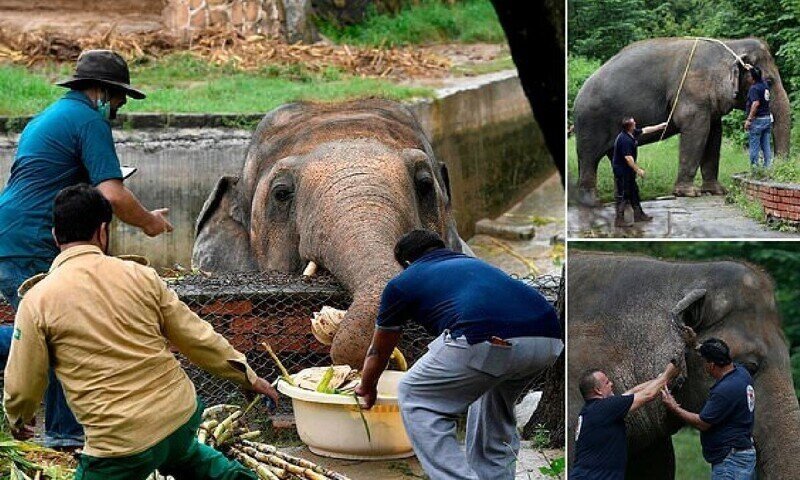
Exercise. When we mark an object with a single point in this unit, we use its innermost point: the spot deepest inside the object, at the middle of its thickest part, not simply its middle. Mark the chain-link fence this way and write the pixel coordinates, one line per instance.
(276, 308)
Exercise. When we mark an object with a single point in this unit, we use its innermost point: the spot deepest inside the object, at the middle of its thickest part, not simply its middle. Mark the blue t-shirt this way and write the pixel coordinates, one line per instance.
(625, 145)
(729, 411)
(601, 443)
(68, 143)
(445, 290)
(760, 92)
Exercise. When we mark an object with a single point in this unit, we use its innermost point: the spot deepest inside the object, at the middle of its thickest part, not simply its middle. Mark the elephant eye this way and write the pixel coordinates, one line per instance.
(282, 193)
(424, 183)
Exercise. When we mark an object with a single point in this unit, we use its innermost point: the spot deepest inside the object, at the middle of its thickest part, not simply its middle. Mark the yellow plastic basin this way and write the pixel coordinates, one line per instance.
(331, 425)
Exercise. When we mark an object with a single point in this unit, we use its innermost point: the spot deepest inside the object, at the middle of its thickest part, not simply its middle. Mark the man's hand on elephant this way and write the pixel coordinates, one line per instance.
(158, 223)
(640, 172)
(671, 371)
(669, 400)
(369, 394)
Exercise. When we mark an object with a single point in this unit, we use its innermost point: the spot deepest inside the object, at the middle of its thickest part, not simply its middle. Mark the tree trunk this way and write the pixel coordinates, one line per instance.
(550, 412)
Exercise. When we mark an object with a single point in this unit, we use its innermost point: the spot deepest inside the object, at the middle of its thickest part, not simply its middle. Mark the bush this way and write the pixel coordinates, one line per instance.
(580, 68)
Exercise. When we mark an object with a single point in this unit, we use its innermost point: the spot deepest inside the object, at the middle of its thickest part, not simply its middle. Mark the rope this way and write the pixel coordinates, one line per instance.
(680, 87)
(726, 47)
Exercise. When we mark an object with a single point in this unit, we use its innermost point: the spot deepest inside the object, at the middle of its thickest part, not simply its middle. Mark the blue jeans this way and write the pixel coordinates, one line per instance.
(760, 132)
(738, 465)
(61, 427)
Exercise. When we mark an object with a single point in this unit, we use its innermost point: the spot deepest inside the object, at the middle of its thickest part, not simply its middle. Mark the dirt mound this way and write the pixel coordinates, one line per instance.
(226, 47)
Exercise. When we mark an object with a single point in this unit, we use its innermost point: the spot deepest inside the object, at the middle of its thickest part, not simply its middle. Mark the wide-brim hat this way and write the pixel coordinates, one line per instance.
(105, 67)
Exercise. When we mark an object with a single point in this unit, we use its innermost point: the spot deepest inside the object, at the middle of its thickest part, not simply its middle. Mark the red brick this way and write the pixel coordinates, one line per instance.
(231, 307)
(243, 324)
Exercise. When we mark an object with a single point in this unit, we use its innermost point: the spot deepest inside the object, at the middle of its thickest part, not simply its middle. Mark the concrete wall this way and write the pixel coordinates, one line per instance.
(482, 129)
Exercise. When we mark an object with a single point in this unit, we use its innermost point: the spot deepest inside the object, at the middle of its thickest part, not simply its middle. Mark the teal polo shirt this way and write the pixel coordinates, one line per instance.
(68, 143)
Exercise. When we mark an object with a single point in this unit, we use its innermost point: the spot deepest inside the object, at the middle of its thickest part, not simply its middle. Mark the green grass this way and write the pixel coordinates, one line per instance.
(660, 162)
(183, 84)
(429, 21)
(689, 462)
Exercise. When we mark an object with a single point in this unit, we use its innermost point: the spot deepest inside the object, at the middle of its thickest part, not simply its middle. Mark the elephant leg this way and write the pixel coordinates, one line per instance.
(589, 155)
(694, 127)
(709, 168)
(656, 462)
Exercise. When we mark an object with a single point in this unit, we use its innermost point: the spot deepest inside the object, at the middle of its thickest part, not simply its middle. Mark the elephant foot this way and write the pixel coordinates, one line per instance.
(713, 188)
(686, 190)
(587, 197)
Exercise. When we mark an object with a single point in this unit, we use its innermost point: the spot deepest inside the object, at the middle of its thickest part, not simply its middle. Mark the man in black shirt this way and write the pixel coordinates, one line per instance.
(601, 449)
(759, 120)
(625, 170)
(726, 420)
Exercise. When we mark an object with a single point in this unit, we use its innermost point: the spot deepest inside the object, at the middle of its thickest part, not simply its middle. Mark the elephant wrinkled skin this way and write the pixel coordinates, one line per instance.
(627, 316)
(337, 184)
(642, 81)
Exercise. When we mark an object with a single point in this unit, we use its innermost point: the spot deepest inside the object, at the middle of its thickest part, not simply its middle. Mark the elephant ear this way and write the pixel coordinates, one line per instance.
(687, 315)
(222, 239)
(454, 240)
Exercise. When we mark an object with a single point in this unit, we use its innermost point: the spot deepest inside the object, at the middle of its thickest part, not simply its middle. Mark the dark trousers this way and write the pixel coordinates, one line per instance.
(626, 189)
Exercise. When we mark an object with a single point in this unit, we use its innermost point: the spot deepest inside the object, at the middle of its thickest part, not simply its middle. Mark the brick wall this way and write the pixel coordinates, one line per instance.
(781, 201)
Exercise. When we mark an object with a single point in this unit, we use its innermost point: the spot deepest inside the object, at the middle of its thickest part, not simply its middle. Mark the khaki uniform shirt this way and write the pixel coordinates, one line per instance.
(105, 325)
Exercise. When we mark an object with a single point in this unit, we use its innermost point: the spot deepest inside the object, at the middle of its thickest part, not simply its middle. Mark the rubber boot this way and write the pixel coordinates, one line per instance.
(619, 221)
(639, 215)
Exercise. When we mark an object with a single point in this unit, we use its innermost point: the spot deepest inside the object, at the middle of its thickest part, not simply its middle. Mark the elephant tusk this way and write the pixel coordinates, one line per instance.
(310, 270)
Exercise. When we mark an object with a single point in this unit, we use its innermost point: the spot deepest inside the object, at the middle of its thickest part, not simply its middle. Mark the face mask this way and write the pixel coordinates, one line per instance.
(104, 107)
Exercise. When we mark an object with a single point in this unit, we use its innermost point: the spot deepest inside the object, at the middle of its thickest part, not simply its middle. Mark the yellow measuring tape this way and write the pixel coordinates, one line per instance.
(680, 87)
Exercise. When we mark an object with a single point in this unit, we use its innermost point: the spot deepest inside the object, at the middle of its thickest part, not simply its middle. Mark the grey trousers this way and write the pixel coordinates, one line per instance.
(483, 380)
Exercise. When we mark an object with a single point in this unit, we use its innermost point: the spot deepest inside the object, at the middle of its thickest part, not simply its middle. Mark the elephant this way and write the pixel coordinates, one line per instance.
(336, 184)
(630, 314)
(642, 81)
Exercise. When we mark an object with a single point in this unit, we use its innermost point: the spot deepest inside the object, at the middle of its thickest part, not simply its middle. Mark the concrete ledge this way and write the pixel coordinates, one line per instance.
(780, 200)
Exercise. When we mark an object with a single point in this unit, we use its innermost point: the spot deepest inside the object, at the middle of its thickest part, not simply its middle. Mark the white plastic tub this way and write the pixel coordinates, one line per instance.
(331, 425)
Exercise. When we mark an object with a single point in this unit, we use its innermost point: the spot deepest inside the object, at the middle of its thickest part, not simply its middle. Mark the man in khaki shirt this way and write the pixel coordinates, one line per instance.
(105, 325)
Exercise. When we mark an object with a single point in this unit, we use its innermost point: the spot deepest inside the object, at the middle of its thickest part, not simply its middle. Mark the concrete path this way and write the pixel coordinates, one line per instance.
(681, 217)
(409, 468)
(529, 237)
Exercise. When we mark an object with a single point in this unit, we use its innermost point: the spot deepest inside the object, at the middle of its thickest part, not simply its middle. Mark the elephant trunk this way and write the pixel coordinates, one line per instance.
(781, 110)
(777, 425)
(352, 232)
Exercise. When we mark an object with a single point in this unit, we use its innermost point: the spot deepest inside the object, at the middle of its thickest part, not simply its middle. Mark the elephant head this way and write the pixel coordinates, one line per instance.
(629, 314)
(755, 52)
(334, 184)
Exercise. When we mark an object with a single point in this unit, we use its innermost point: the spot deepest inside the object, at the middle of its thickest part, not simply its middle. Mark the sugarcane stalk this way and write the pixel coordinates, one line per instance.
(262, 471)
(270, 449)
(226, 424)
(284, 373)
(227, 433)
(217, 409)
(322, 386)
(249, 435)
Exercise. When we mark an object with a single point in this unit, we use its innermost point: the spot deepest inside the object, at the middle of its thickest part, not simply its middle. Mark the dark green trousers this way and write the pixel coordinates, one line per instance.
(179, 455)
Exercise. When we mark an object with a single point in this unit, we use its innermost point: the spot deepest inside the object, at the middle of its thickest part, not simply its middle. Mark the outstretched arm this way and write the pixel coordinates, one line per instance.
(654, 128)
(383, 343)
(673, 406)
(648, 391)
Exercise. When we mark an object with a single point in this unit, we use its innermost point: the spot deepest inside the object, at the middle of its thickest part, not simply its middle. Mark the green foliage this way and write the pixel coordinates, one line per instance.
(780, 259)
(786, 171)
(554, 469)
(580, 68)
(689, 462)
(182, 83)
(427, 21)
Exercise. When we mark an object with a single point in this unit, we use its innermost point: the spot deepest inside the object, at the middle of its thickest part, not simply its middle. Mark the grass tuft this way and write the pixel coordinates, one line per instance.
(429, 21)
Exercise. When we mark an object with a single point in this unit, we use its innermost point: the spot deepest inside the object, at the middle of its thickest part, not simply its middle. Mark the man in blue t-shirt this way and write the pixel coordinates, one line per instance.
(759, 121)
(67, 144)
(623, 162)
(601, 444)
(494, 335)
(726, 420)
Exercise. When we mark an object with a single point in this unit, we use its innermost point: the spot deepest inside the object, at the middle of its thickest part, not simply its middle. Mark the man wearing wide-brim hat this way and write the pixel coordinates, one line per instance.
(67, 144)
